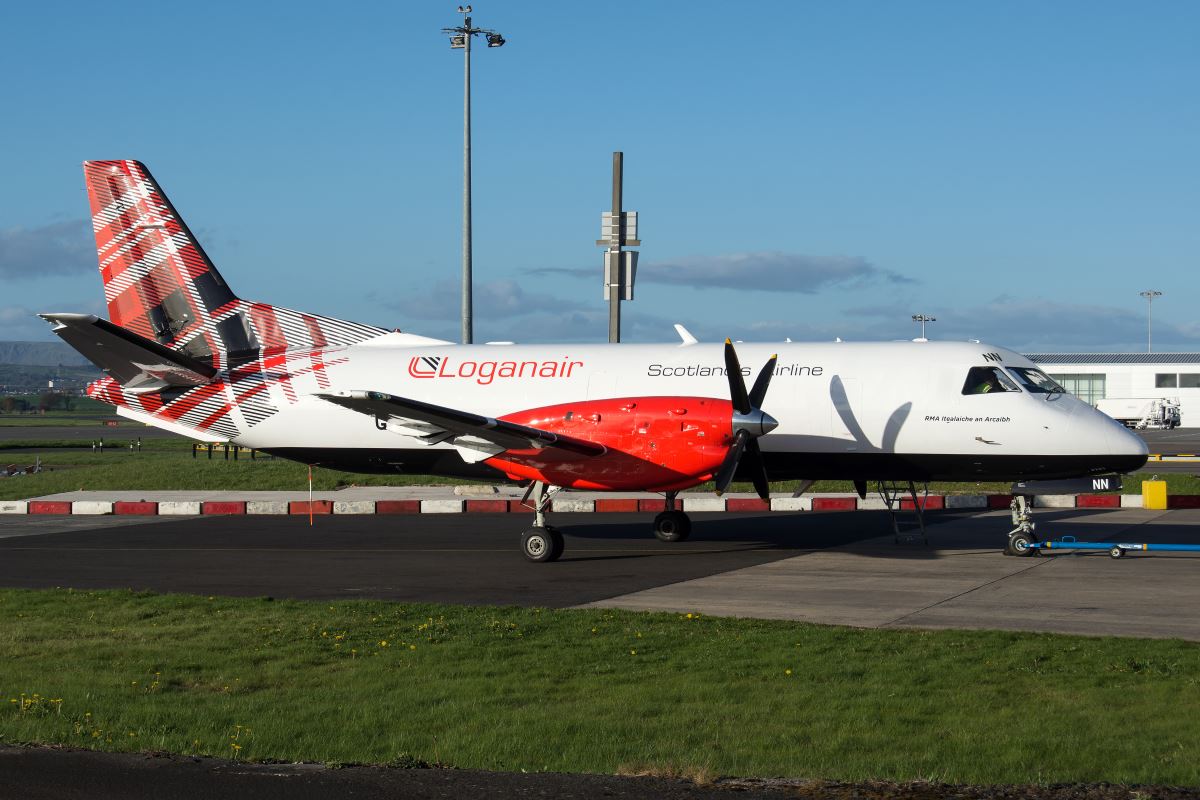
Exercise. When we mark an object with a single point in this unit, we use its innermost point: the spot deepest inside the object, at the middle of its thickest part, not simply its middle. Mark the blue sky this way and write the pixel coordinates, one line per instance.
(1019, 170)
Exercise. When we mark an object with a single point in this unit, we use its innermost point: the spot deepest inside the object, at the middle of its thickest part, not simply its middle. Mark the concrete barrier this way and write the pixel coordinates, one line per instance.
(616, 505)
(834, 503)
(441, 506)
(1054, 501)
(487, 506)
(397, 506)
(703, 505)
(1131, 501)
(147, 508)
(91, 507)
(967, 501)
(222, 507)
(49, 507)
(14, 506)
(872, 503)
(791, 503)
(304, 507)
(569, 505)
(354, 507)
(743, 504)
(266, 507)
(179, 508)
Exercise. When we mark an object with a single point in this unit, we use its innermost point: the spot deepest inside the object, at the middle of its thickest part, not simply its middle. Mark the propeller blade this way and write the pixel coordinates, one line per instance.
(762, 382)
(758, 470)
(730, 464)
(737, 386)
(861, 488)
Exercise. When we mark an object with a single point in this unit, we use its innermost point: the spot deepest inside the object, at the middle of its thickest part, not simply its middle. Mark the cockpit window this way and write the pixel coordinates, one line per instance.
(985, 380)
(1036, 381)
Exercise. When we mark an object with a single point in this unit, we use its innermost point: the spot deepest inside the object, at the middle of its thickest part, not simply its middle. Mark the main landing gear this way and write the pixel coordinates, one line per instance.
(672, 525)
(542, 542)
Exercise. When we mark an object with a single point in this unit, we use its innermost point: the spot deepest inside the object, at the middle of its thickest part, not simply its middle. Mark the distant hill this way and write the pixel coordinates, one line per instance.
(46, 354)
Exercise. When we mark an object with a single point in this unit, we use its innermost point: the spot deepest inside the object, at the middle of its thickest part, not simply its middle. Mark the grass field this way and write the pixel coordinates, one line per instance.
(85, 411)
(165, 464)
(596, 691)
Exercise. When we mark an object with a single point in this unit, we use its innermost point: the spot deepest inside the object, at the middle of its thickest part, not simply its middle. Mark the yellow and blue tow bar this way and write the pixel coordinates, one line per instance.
(1115, 549)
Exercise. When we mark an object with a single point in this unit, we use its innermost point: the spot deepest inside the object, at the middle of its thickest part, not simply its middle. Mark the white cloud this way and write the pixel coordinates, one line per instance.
(762, 271)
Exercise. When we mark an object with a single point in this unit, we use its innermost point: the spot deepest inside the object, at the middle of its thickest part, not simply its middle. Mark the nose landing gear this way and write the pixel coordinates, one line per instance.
(1022, 536)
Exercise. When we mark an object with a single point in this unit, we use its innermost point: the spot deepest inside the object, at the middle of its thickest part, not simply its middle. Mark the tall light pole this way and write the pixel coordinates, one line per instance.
(460, 39)
(922, 318)
(1149, 294)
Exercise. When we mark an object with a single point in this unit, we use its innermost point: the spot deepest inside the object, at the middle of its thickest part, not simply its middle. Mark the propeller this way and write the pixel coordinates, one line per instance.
(749, 423)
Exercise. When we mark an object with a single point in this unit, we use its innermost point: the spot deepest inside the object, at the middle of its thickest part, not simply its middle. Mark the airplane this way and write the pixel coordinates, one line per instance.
(183, 352)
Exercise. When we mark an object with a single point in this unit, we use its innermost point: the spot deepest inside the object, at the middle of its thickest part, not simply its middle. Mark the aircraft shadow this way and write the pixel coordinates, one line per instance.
(865, 533)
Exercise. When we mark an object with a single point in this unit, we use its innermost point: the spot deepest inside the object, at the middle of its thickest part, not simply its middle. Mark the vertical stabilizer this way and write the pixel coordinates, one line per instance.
(160, 284)
(158, 281)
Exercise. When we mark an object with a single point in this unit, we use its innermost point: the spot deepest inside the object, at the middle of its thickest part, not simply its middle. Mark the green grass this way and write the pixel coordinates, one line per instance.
(594, 691)
(84, 411)
(168, 465)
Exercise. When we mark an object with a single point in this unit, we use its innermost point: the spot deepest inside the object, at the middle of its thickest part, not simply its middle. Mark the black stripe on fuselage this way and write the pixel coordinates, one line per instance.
(919, 467)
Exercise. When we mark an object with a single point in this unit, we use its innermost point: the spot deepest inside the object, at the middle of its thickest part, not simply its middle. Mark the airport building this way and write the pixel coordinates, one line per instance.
(1093, 377)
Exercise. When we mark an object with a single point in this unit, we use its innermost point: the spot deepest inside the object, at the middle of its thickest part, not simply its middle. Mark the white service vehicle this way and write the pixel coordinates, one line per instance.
(1142, 413)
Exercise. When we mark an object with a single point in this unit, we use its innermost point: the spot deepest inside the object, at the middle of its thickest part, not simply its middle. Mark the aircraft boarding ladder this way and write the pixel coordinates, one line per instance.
(908, 530)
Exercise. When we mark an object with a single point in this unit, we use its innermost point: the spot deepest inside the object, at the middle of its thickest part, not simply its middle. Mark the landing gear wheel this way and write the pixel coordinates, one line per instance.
(1018, 545)
(672, 526)
(541, 544)
(1117, 552)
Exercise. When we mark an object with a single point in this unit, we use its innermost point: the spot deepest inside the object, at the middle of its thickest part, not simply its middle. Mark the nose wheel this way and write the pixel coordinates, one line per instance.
(1020, 537)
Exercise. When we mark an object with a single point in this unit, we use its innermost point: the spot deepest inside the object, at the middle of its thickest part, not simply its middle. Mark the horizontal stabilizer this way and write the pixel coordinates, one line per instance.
(460, 424)
(140, 365)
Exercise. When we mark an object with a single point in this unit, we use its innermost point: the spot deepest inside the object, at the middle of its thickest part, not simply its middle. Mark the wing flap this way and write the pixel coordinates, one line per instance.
(461, 425)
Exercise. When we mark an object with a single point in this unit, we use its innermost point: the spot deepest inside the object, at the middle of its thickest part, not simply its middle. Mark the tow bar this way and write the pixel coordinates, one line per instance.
(1115, 549)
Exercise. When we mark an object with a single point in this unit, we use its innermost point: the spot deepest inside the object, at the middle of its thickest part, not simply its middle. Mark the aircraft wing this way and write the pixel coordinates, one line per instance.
(471, 433)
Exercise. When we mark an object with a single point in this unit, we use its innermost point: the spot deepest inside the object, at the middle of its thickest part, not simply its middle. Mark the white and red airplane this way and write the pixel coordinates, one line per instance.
(182, 352)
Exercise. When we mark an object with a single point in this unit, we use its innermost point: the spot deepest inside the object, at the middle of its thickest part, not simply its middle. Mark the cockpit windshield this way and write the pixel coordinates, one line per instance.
(985, 380)
(1036, 381)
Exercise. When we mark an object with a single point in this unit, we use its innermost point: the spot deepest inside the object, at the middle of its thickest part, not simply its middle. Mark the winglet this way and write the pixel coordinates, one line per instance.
(685, 335)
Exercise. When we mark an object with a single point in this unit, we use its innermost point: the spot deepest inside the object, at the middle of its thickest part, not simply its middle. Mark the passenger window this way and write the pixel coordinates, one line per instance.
(986, 380)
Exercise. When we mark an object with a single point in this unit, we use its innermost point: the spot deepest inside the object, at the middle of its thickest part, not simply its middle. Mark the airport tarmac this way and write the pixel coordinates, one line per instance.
(818, 567)
(123, 433)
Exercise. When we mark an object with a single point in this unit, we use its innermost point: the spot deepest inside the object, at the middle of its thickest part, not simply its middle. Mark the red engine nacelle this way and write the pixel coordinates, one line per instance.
(654, 443)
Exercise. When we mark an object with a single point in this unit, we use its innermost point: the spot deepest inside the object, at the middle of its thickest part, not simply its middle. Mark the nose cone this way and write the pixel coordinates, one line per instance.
(1124, 450)
(769, 423)
(756, 423)
(1125, 444)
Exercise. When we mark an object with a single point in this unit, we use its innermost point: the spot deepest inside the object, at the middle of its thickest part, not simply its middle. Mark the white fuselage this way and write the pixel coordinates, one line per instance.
(870, 411)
